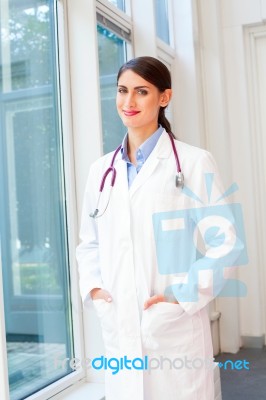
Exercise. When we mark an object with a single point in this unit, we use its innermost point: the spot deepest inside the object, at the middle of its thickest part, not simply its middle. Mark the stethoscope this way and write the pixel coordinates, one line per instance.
(179, 180)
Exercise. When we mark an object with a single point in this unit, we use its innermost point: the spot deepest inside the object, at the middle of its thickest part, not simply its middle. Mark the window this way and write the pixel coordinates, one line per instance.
(33, 224)
(113, 51)
(162, 20)
(118, 3)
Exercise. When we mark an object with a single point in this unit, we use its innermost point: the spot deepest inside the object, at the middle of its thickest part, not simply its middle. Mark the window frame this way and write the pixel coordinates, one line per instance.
(4, 385)
(111, 8)
(64, 101)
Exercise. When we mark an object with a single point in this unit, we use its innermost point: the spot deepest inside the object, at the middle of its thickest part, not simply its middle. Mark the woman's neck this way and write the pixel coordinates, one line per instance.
(135, 139)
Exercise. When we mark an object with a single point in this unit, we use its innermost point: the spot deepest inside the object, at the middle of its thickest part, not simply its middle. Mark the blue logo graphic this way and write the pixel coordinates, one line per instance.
(189, 241)
(235, 365)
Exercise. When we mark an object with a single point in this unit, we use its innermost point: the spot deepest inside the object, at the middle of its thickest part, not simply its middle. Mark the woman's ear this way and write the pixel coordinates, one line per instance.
(166, 97)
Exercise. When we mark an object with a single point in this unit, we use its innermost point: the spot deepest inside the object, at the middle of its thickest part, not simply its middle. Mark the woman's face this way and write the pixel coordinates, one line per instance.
(138, 102)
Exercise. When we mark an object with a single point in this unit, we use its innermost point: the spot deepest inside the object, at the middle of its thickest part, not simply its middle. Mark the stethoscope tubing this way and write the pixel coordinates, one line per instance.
(175, 153)
(110, 169)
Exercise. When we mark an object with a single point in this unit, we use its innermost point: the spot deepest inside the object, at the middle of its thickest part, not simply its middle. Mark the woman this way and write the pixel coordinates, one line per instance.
(118, 255)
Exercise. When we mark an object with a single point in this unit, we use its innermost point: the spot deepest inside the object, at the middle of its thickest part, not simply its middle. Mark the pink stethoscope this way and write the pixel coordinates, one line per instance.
(179, 181)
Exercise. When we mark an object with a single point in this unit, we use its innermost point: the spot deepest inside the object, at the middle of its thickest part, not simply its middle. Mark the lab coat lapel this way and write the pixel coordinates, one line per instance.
(161, 151)
(121, 184)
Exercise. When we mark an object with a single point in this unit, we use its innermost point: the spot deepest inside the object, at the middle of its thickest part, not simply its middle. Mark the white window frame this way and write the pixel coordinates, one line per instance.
(4, 386)
(112, 7)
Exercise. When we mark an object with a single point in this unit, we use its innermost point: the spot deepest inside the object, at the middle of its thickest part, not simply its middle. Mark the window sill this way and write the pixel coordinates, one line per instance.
(92, 391)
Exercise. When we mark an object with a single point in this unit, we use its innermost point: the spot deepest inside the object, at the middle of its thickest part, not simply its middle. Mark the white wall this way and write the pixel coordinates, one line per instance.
(230, 48)
(238, 20)
(187, 104)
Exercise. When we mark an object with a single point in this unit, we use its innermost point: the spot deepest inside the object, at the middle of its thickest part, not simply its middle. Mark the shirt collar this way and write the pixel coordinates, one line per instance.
(146, 148)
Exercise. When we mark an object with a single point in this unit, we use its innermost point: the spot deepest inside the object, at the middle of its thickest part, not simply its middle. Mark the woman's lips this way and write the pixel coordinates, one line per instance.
(130, 113)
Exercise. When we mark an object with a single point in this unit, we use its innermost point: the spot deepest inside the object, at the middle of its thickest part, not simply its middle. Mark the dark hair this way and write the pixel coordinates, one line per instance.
(155, 72)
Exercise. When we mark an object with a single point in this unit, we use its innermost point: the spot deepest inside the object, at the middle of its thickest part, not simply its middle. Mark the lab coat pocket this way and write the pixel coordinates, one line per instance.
(106, 314)
(165, 326)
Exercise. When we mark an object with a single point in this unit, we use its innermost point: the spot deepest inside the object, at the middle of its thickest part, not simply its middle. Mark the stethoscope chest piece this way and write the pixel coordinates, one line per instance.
(179, 180)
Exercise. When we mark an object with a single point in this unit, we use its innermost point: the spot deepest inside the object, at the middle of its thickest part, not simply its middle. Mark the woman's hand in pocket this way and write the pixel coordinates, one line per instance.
(98, 293)
(157, 299)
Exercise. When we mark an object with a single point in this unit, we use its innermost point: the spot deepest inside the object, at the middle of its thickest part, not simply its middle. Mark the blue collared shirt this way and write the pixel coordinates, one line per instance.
(142, 153)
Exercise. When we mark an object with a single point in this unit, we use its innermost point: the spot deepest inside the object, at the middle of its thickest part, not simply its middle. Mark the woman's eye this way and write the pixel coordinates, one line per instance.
(142, 92)
(121, 90)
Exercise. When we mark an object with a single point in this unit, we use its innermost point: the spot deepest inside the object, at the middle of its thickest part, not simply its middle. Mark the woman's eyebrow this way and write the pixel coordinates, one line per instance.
(136, 87)
(141, 87)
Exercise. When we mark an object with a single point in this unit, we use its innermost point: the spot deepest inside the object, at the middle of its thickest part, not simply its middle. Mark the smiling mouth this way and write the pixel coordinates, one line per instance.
(130, 113)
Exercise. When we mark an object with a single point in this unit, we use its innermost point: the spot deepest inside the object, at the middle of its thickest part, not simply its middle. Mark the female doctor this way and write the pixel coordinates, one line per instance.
(117, 257)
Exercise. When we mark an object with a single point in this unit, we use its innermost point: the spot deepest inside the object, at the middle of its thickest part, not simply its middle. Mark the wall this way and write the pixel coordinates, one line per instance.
(230, 42)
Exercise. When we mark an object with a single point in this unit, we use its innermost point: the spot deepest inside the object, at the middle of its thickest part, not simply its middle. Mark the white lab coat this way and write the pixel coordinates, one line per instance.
(117, 253)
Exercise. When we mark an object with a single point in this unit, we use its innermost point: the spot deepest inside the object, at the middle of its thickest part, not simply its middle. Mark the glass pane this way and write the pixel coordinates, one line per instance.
(112, 54)
(34, 247)
(118, 3)
(162, 20)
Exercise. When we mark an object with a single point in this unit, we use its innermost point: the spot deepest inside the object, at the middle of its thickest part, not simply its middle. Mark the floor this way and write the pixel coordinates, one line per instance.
(243, 375)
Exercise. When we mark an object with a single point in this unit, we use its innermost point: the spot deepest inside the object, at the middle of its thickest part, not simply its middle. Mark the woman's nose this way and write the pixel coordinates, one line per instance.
(130, 100)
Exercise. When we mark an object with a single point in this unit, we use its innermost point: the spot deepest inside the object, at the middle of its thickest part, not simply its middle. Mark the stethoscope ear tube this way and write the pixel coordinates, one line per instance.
(179, 180)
